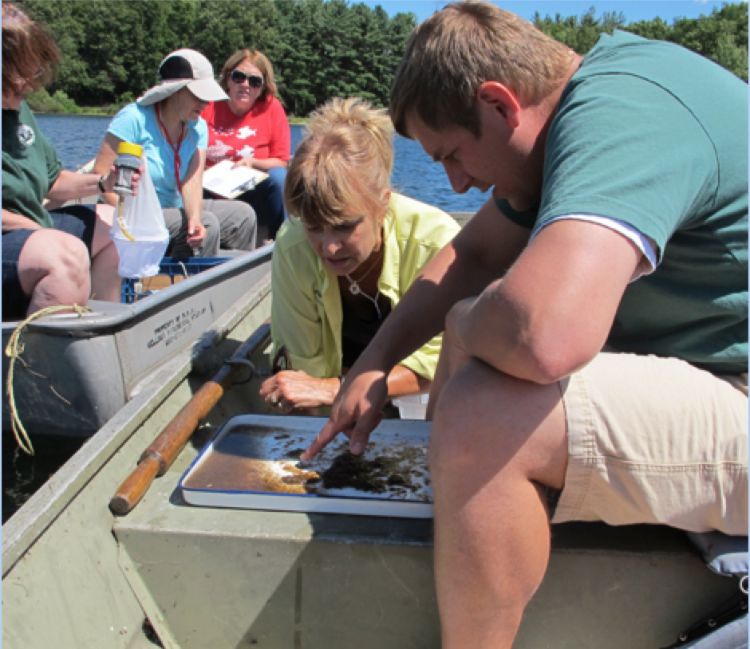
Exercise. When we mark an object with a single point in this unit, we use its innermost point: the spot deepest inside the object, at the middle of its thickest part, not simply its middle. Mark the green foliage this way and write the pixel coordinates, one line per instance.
(580, 34)
(721, 36)
(42, 102)
(319, 48)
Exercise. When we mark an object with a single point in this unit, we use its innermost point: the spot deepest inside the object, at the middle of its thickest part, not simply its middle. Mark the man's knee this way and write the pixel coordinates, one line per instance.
(54, 268)
(483, 415)
(464, 414)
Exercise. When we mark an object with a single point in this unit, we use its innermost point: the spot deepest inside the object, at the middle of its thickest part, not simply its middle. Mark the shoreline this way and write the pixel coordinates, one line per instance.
(92, 112)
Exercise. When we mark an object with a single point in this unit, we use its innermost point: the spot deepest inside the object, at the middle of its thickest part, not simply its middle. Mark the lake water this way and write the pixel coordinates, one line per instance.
(77, 141)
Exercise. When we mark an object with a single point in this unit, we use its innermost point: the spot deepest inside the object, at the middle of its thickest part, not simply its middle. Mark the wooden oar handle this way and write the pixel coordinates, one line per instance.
(158, 457)
(167, 446)
(135, 486)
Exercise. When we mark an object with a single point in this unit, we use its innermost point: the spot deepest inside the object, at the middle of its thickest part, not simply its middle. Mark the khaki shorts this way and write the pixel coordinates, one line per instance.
(654, 440)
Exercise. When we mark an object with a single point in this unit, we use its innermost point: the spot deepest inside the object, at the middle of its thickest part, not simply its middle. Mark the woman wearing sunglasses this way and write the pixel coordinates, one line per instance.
(252, 129)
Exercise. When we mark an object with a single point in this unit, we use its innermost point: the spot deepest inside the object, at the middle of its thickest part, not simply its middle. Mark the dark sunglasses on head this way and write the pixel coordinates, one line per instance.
(239, 77)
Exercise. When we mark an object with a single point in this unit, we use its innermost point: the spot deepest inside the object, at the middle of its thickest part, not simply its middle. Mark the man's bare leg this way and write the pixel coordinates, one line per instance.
(495, 439)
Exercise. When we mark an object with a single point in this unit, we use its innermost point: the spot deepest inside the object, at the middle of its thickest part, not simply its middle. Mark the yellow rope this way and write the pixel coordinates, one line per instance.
(121, 220)
(13, 350)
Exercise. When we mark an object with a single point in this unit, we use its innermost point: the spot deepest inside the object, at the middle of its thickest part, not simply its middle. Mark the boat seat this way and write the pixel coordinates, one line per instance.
(724, 555)
(726, 626)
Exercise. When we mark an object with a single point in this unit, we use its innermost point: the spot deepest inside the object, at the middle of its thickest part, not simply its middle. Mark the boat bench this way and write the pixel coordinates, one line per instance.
(227, 578)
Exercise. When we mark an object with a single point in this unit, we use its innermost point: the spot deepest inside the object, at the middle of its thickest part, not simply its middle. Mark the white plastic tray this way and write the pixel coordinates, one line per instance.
(252, 464)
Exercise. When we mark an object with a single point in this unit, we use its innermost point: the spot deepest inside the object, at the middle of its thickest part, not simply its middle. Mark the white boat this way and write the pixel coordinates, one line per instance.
(76, 371)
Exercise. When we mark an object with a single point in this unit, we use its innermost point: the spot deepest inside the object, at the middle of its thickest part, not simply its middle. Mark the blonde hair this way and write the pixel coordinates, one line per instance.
(465, 44)
(343, 163)
(260, 61)
(30, 54)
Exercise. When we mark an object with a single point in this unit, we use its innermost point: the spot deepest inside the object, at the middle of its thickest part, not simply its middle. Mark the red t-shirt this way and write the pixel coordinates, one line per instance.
(264, 129)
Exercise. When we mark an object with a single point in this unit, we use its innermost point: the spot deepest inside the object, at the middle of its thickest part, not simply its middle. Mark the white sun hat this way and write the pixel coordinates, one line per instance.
(180, 69)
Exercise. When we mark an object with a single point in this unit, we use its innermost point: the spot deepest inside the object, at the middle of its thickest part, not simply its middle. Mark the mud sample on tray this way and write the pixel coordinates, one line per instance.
(357, 472)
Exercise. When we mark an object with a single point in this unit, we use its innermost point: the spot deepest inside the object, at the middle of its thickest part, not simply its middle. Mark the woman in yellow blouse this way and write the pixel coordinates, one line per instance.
(344, 262)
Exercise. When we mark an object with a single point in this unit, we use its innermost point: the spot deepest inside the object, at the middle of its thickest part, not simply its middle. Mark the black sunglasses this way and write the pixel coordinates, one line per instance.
(239, 77)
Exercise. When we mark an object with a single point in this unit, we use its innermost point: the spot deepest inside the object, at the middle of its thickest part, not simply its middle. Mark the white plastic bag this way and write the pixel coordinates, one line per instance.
(138, 230)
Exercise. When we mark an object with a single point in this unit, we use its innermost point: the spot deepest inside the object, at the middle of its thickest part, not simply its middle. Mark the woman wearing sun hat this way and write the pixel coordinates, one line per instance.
(166, 121)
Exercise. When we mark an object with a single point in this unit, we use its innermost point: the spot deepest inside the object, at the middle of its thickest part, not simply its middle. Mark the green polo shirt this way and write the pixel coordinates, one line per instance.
(30, 165)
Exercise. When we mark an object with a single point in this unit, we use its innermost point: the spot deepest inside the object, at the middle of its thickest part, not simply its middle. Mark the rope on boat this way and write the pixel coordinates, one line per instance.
(13, 351)
(121, 220)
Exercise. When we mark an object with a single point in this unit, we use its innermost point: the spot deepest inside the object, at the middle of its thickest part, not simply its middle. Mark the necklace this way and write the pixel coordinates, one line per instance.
(356, 289)
(175, 147)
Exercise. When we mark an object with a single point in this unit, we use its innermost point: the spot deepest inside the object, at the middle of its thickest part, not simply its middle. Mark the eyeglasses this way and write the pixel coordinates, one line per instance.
(240, 77)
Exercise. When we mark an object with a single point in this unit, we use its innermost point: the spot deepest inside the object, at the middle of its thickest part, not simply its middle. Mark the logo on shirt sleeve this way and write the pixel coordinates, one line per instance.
(26, 135)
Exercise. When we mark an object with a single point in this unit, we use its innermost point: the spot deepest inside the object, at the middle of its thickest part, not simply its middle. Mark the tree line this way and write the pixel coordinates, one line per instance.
(319, 48)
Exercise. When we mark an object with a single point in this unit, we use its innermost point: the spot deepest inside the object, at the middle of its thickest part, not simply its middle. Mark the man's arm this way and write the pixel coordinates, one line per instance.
(481, 252)
(70, 185)
(552, 311)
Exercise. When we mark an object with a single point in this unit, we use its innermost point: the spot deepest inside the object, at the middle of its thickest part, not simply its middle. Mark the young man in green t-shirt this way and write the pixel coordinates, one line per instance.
(595, 309)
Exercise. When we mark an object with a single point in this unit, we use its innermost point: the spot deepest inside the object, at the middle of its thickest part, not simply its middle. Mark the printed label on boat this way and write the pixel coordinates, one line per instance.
(167, 332)
(172, 330)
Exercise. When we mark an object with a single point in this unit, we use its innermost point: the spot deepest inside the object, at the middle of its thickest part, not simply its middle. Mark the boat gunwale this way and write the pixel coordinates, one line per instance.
(108, 317)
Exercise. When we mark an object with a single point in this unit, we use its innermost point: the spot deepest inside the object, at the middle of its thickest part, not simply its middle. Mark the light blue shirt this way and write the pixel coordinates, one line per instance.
(138, 124)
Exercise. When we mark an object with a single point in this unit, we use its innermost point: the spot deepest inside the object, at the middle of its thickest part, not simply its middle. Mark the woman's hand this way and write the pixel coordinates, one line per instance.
(110, 179)
(196, 233)
(246, 161)
(13, 221)
(292, 389)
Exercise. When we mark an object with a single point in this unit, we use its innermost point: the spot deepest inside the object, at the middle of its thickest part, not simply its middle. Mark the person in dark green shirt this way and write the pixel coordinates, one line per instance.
(61, 257)
(594, 359)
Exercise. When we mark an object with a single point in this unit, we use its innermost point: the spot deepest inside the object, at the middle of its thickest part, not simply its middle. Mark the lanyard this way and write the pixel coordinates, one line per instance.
(175, 147)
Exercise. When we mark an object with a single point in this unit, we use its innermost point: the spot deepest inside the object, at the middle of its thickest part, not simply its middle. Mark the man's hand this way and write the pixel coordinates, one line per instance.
(356, 411)
(453, 353)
